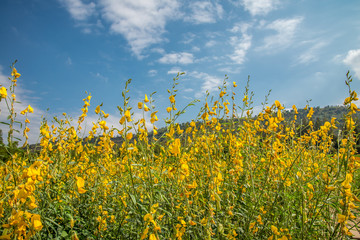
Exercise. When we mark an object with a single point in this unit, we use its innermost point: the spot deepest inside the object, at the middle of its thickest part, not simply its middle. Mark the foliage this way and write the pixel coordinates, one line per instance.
(255, 178)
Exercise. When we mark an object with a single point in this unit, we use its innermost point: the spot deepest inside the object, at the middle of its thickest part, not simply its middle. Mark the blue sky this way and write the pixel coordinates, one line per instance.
(299, 49)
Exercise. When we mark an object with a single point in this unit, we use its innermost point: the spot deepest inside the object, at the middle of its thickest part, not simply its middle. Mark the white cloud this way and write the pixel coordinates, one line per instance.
(100, 76)
(260, 7)
(210, 43)
(78, 10)
(240, 44)
(204, 12)
(68, 61)
(352, 59)
(210, 83)
(240, 27)
(158, 50)
(177, 58)
(338, 58)
(88, 27)
(188, 38)
(152, 72)
(310, 55)
(286, 30)
(175, 70)
(188, 90)
(195, 49)
(141, 22)
(230, 69)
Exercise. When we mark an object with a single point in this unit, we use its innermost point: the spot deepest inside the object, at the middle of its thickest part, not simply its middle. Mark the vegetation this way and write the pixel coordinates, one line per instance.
(225, 175)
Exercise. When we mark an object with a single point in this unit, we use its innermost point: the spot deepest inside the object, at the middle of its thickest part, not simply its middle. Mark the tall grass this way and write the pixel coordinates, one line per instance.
(227, 175)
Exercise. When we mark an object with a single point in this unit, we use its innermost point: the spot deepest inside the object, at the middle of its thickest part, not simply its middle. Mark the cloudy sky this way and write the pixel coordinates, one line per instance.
(299, 49)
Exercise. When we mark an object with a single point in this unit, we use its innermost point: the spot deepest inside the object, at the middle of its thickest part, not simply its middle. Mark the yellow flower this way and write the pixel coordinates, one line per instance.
(176, 147)
(295, 109)
(234, 84)
(152, 237)
(129, 136)
(24, 111)
(15, 73)
(72, 222)
(169, 109)
(31, 110)
(74, 236)
(146, 108)
(311, 186)
(36, 222)
(329, 188)
(341, 218)
(122, 120)
(146, 98)
(172, 99)
(3, 92)
(148, 217)
(140, 104)
(252, 225)
(348, 179)
(274, 230)
(6, 237)
(80, 182)
(278, 105)
(128, 115)
(192, 223)
(97, 109)
(144, 234)
(103, 125)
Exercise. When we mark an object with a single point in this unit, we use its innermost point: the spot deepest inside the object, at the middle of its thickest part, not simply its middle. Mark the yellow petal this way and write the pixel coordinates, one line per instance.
(140, 104)
(36, 222)
(97, 109)
(81, 190)
(80, 182)
(6, 237)
(146, 98)
(3, 92)
(31, 110)
(129, 136)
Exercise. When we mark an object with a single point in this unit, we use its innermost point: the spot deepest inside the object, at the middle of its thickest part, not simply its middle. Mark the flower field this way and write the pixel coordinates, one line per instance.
(226, 175)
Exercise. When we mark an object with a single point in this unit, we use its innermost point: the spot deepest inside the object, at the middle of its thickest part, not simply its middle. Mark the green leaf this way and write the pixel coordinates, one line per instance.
(64, 234)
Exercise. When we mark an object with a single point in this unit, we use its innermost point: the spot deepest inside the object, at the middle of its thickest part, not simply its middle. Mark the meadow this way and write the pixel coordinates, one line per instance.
(226, 175)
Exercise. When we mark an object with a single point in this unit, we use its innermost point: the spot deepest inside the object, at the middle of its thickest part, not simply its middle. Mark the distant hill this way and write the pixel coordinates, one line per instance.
(319, 117)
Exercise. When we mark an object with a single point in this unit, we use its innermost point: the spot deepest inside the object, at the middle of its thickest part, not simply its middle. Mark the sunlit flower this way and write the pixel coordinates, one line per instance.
(36, 222)
(129, 136)
(97, 109)
(140, 104)
(3, 92)
(172, 99)
(146, 99)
